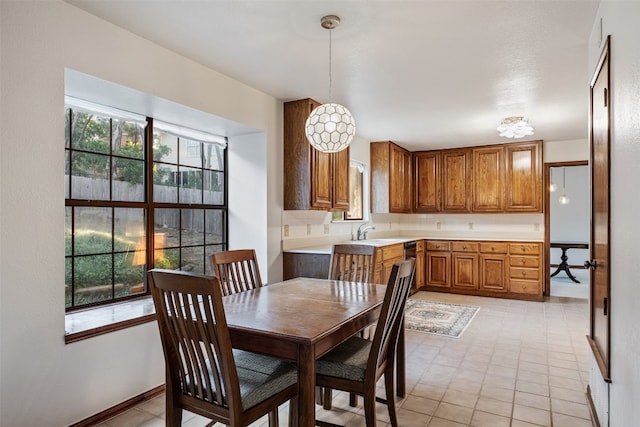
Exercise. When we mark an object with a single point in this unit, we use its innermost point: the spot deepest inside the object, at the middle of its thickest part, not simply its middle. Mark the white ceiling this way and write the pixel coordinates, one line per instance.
(425, 74)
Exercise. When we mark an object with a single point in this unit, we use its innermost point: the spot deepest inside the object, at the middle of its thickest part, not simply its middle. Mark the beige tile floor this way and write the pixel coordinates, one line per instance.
(518, 364)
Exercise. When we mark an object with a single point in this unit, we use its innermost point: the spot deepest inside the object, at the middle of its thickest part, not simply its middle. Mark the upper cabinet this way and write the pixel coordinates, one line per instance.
(524, 177)
(488, 179)
(456, 178)
(312, 179)
(427, 181)
(390, 178)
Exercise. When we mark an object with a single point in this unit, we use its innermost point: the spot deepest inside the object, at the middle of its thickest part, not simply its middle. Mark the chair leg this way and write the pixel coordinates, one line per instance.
(391, 402)
(173, 415)
(319, 395)
(353, 400)
(370, 407)
(293, 412)
(327, 398)
(273, 418)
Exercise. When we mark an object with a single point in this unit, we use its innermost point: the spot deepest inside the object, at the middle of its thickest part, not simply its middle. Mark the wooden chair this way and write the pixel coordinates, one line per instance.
(204, 374)
(237, 270)
(356, 365)
(353, 263)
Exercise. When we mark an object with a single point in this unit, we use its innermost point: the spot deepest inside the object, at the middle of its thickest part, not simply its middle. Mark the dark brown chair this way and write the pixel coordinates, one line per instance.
(353, 263)
(204, 374)
(356, 365)
(237, 270)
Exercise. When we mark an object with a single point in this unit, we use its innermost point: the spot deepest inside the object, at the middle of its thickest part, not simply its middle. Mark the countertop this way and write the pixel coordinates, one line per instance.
(325, 248)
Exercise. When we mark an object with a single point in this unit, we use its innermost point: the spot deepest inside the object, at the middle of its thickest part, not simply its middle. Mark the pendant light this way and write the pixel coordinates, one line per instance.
(552, 186)
(330, 127)
(564, 200)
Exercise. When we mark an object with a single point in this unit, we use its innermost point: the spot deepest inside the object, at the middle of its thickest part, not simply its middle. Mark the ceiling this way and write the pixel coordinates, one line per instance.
(425, 74)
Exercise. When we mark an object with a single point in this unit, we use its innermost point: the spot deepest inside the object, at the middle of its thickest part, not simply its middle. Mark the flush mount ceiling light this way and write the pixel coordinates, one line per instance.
(330, 127)
(515, 127)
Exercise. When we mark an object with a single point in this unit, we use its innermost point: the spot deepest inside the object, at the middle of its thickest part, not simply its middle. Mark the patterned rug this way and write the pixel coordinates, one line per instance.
(438, 318)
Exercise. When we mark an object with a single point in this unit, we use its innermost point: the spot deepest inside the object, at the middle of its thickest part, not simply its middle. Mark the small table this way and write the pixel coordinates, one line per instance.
(564, 266)
(301, 319)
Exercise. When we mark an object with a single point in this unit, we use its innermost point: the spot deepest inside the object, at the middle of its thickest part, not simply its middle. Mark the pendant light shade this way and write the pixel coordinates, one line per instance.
(330, 127)
(552, 186)
(515, 127)
(564, 200)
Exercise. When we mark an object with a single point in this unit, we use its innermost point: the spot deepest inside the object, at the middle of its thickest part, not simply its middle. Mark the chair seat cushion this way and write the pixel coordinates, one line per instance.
(261, 377)
(348, 360)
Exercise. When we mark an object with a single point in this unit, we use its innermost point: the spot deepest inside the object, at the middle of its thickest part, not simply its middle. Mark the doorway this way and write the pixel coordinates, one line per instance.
(567, 229)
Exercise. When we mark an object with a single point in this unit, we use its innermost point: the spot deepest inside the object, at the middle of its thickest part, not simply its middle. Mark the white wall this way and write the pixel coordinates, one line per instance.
(620, 20)
(44, 381)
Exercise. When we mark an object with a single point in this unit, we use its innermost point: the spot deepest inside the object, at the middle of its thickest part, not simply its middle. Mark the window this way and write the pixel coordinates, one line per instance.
(357, 190)
(112, 214)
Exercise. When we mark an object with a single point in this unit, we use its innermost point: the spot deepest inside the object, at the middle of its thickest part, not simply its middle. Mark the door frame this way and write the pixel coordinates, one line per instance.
(547, 218)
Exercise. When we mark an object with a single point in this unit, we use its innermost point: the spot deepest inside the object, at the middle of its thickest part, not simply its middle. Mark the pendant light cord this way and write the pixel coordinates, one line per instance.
(330, 78)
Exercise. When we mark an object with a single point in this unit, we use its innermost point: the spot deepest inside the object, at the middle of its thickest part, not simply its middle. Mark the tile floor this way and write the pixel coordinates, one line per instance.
(518, 364)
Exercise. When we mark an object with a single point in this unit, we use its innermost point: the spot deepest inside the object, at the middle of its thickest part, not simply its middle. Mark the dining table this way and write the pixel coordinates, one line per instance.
(301, 319)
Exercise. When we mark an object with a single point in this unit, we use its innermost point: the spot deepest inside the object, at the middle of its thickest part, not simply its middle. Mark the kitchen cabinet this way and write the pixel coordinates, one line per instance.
(524, 177)
(312, 179)
(438, 263)
(386, 256)
(420, 264)
(488, 179)
(485, 268)
(427, 181)
(390, 178)
(456, 180)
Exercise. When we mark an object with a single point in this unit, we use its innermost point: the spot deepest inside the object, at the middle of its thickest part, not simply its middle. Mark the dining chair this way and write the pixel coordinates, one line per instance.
(356, 365)
(204, 374)
(353, 263)
(237, 270)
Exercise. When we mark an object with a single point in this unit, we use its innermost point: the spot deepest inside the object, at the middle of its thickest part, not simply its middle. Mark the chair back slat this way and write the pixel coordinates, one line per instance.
(195, 338)
(387, 331)
(237, 270)
(353, 263)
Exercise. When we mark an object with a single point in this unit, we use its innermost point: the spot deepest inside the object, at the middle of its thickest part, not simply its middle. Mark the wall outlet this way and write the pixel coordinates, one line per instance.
(536, 227)
(308, 229)
(438, 225)
(286, 230)
(470, 226)
(326, 229)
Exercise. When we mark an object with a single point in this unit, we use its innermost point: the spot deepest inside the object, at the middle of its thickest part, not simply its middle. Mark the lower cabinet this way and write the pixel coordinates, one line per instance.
(386, 256)
(485, 268)
(419, 278)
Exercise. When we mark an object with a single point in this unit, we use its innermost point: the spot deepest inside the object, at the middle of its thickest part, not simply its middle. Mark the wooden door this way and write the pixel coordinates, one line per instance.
(600, 304)
(340, 180)
(321, 179)
(427, 183)
(493, 273)
(456, 180)
(399, 180)
(438, 265)
(524, 177)
(488, 179)
(465, 271)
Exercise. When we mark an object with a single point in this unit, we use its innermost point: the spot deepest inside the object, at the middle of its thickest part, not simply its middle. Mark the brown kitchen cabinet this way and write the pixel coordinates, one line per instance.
(488, 179)
(386, 256)
(312, 179)
(427, 181)
(420, 264)
(523, 177)
(456, 180)
(390, 178)
(485, 268)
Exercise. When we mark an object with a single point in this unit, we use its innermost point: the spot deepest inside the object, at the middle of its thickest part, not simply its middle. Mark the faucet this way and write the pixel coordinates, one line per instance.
(362, 232)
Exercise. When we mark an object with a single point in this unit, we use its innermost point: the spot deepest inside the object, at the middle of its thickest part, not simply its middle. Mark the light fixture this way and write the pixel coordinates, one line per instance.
(330, 127)
(552, 187)
(564, 200)
(515, 127)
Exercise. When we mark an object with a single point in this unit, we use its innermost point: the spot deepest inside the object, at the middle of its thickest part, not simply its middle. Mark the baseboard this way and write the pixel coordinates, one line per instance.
(119, 408)
(592, 408)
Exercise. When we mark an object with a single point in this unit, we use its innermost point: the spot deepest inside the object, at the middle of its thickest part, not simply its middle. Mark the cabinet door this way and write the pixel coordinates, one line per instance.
(465, 271)
(524, 177)
(399, 180)
(493, 273)
(427, 196)
(456, 185)
(420, 264)
(321, 180)
(488, 179)
(340, 197)
(438, 269)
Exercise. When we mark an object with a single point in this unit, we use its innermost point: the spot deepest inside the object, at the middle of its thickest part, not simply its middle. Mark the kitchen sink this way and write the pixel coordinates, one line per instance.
(376, 241)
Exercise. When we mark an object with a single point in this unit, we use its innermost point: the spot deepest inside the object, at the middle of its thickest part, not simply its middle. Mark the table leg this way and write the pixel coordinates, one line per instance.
(306, 386)
(564, 266)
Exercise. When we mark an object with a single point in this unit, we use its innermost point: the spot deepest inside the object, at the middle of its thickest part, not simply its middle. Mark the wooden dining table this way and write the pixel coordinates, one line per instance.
(301, 319)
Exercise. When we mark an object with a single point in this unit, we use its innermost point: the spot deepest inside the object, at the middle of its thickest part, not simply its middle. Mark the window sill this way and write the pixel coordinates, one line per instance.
(93, 322)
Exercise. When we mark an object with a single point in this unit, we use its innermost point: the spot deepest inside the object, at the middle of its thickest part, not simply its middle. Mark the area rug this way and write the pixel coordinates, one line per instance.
(438, 318)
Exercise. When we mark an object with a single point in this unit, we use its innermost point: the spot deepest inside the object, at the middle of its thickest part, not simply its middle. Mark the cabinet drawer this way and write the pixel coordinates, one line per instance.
(438, 245)
(393, 251)
(525, 248)
(525, 287)
(524, 261)
(524, 273)
(464, 247)
(494, 247)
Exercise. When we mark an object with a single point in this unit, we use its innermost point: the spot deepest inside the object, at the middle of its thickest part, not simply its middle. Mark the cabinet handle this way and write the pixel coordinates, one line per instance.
(492, 249)
(524, 273)
(524, 287)
(464, 246)
(437, 246)
(523, 261)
